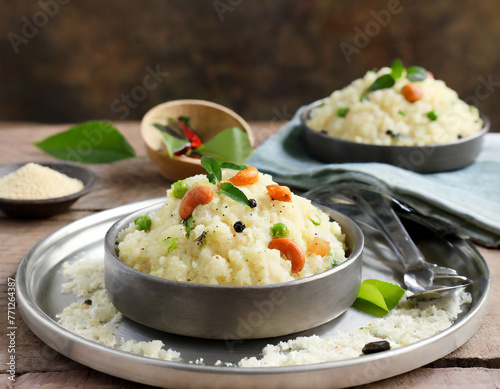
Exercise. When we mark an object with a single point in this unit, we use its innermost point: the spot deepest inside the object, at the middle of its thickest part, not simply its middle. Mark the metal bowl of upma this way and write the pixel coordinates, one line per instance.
(422, 159)
(233, 312)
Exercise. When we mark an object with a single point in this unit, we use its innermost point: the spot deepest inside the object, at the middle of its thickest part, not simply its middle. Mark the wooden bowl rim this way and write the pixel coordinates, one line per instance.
(183, 158)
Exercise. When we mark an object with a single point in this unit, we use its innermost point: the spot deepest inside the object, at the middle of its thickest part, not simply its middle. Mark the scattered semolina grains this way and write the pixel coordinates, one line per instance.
(35, 182)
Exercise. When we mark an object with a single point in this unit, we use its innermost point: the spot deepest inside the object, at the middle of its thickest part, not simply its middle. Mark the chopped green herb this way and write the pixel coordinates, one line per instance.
(171, 243)
(315, 219)
(180, 188)
(279, 230)
(378, 297)
(473, 109)
(397, 68)
(392, 134)
(416, 73)
(432, 115)
(321, 105)
(201, 238)
(142, 223)
(401, 113)
(334, 261)
(188, 225)
(234, 193)
(341, 112)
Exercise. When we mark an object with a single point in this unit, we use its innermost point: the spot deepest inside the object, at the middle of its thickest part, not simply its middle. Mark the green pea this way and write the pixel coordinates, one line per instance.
(180, 188)
(143, 223)
(432, 115)
(279, 230)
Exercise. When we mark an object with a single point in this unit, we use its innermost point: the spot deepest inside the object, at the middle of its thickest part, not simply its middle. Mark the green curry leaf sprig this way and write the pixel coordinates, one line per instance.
(214, 170)
(413, 73)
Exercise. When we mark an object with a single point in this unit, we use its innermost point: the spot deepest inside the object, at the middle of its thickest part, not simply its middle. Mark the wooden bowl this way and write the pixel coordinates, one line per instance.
(207, 119)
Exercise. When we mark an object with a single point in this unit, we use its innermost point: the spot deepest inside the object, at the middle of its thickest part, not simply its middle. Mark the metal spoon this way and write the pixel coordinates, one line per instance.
(420, 277)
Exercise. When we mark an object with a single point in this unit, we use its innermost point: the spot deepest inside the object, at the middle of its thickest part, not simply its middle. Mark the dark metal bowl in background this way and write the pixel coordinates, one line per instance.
(232, 312)
(32, 209)
(422, 159)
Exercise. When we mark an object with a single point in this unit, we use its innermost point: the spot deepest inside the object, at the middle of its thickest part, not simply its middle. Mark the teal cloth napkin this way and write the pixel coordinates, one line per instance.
(467, 200)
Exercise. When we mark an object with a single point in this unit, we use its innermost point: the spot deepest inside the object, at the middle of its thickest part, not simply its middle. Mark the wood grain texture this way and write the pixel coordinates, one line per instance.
(442, 378)
(424, 378)
(137, 179)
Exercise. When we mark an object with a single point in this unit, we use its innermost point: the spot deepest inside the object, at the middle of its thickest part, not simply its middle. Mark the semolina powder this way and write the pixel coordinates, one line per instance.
(36, 182)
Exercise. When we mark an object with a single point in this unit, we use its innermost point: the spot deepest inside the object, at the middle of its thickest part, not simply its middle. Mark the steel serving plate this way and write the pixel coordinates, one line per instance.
(39, 280)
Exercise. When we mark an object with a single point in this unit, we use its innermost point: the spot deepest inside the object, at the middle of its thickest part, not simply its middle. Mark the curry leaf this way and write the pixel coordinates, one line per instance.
(383, 82)
(397, 69)
(233, 192)
(89, 142)
(213, 169)
(173, 144)
(230, 165)
(378, 297)
(170, 130)
(416, 73)
(232, 144)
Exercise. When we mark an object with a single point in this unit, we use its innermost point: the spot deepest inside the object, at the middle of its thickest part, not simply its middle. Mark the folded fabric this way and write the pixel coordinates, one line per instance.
(468, 200)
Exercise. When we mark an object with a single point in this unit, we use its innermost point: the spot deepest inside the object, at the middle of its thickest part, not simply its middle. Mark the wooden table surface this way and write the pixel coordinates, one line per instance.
(476, 363)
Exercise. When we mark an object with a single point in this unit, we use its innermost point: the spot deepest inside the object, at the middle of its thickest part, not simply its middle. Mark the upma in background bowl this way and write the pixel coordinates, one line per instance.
(434, 133)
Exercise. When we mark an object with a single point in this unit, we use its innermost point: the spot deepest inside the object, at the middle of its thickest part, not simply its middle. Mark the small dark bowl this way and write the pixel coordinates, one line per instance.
(421, 159)
(33, 209)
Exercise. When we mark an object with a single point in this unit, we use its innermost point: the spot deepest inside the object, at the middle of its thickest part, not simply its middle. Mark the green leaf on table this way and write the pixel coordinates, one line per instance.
(416, 73)
(232, 145)
(89, 142)
(233, 166)
(233, 192)
(213, 169)
(172, 143)
(378, 297)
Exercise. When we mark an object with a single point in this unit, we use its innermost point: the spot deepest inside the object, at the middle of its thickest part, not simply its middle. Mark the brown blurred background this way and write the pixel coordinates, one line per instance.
(69, 61)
